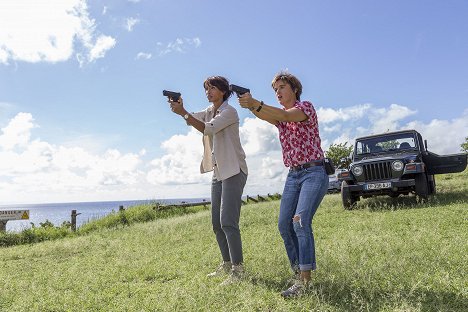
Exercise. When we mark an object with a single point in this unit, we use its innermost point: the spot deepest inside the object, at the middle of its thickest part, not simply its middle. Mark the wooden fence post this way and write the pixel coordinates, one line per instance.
(3, 226)
(73, 220)
(252, 199)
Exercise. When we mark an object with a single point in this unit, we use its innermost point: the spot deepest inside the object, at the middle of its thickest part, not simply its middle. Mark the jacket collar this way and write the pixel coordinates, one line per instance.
(222, 107)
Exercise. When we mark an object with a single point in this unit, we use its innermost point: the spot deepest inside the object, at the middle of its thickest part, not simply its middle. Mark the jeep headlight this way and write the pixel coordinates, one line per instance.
(397, 165)
(357, 170)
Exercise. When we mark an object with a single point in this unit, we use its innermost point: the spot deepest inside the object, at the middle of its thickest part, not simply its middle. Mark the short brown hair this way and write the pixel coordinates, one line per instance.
(290, 79)
(219, 82)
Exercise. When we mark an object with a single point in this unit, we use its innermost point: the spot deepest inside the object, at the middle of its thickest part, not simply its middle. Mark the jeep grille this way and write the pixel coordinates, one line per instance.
(378, 171)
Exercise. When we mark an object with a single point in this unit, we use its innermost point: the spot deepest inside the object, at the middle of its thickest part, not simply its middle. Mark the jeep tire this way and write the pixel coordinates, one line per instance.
(349, 201)
(421, 185)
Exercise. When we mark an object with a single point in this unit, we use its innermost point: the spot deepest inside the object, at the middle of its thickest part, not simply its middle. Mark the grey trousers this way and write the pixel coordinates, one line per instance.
(226, 201)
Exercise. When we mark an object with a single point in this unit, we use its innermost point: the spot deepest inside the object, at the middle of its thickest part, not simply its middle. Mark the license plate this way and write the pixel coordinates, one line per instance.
(377, 186)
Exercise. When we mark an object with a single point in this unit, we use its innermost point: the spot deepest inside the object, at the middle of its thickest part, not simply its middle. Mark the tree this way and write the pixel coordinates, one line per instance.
(464, 146)
(336, 152)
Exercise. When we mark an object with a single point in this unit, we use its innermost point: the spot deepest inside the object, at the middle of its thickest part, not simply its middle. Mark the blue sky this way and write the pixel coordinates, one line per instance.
(82, 117)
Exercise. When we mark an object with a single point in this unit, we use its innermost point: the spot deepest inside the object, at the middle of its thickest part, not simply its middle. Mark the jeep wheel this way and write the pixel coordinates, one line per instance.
(349, 201)
(422, 186)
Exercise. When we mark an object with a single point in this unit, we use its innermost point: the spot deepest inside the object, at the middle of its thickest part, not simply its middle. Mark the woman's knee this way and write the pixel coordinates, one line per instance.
(230, 230)
(217, 227)
(301, 227)
(284, 227)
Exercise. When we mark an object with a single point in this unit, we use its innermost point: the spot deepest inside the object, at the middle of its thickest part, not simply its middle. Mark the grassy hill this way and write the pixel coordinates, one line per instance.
(387, 255)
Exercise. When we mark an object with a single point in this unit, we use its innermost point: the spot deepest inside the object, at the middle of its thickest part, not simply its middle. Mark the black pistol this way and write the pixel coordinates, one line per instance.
(173, 96)
(239, 90)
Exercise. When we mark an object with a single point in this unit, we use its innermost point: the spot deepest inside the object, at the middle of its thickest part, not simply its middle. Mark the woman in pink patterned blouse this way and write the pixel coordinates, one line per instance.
(307, 181)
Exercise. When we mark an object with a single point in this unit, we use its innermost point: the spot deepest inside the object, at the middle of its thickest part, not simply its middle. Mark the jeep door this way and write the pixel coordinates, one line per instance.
(438, 164)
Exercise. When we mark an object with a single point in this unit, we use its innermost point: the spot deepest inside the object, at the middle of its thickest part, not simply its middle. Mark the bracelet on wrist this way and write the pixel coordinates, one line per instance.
(259, 108)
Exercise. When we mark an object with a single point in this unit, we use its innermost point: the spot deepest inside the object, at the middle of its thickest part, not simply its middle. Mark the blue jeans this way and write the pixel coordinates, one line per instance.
(303, 192)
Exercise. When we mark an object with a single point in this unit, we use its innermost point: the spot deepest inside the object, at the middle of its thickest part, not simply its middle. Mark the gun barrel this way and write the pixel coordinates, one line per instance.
(174, 96)
(238, 89)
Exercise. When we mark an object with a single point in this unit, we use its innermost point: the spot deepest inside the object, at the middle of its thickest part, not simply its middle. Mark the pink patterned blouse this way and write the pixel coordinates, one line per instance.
(300, 140)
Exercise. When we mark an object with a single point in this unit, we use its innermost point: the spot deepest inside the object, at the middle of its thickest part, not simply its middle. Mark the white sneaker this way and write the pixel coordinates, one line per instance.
(295, 290)
(224, 268)
(235, 276)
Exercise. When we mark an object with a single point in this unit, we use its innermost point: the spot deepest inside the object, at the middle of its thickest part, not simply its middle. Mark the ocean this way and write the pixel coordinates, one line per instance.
(57, 213)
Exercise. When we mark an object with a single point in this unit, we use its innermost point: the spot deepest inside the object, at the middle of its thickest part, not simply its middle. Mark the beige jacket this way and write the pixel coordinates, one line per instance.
(223, 152)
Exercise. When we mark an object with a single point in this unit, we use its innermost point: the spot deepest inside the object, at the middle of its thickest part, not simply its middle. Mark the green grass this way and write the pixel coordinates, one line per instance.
(386, 255)
(47, 231)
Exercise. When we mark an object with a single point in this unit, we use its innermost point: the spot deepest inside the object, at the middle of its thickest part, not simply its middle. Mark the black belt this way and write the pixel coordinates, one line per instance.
(307, 165)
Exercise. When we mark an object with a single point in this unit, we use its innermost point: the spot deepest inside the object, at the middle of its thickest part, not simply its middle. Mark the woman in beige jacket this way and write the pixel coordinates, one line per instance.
(223, 154)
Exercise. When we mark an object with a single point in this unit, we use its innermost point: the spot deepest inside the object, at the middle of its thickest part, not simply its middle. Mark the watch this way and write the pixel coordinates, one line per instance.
(186, 116)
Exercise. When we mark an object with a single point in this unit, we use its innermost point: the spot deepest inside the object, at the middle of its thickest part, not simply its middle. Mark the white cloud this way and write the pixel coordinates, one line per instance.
(182, 156)
(181, 162)
(17, 132)
(49, 31)
(130, 23)
(329, 115)
(180, 45)
(195, 41)
(443, 136)
(258, 137)
(37, 171)
(384, 119)
(3, 56)
(144, 56)
(340, 126)
(103, 43)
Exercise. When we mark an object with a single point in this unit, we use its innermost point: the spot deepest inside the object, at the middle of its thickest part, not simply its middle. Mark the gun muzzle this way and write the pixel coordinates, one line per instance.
(174, 96)
(239, 90)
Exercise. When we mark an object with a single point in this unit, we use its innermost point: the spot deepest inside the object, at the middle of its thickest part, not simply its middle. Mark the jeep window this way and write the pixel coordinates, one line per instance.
(385, 143)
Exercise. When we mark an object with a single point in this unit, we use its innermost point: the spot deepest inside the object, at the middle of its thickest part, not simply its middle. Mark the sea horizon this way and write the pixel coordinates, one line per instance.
(159, 200)
(57, 213)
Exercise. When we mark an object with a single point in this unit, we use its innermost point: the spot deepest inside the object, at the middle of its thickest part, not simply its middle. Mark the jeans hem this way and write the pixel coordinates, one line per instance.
(307, 267)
